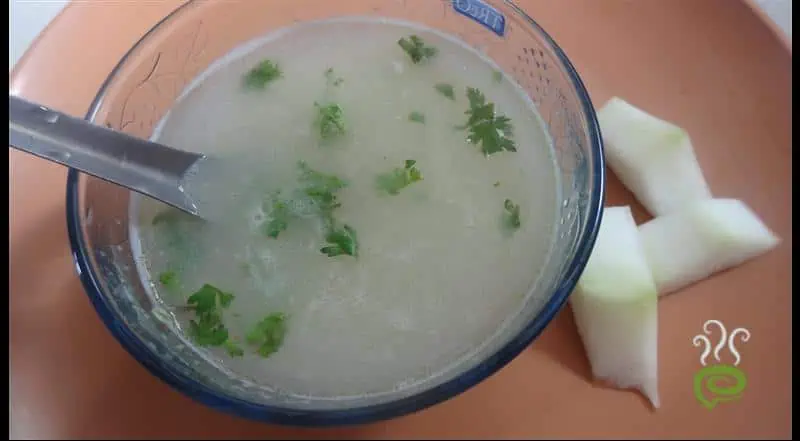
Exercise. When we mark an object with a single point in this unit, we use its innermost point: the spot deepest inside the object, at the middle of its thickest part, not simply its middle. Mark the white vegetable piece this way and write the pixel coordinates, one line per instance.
(653, 158)
(615, 307)
(702, 239)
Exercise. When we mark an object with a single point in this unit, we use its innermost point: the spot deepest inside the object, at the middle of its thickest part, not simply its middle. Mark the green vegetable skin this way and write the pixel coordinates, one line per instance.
(654, 159)
(723, 233)
(615, 307)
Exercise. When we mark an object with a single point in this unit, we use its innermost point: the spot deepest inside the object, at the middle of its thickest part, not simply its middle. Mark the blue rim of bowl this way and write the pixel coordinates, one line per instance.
(371, 413)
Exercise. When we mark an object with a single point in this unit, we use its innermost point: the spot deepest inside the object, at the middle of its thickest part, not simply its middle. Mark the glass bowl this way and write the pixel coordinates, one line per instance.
(146, 82)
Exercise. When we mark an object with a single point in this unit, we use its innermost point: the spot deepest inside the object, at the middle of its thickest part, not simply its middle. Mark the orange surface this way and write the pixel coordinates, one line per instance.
(712, 67)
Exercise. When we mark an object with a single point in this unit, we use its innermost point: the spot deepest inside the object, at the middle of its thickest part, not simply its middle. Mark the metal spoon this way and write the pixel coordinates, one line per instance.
(149, 168)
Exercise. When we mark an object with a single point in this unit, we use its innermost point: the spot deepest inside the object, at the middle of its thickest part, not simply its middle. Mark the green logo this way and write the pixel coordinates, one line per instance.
(719, 383)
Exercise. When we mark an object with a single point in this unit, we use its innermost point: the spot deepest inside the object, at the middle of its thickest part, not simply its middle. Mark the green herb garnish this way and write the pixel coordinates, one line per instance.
(416, 48)
(262, 74)
(268, 334)
(233, 349)
(319, 181)
(342, 241)
(399, 178)
(332, 79)
(209, 299)
(511, 215)
(497, 184)
(447, 90)
(274, 227)
(208, 330)
(321, 189)
(278, 213)
(329, 121)
(497, 76)
(491, 131)
(207, 303)
(416, 117)
(169, 279)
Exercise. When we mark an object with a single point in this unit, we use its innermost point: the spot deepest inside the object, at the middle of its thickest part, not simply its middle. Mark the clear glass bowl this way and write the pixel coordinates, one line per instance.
(143, 86)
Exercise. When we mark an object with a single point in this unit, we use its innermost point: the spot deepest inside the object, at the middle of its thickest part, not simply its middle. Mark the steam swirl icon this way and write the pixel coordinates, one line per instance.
(719, 383)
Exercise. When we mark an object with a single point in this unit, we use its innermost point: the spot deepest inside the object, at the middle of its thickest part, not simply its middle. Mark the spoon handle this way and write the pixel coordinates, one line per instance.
(146, 167)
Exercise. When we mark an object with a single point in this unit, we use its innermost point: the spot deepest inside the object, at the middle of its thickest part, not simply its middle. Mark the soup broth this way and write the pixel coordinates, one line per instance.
(428, 247)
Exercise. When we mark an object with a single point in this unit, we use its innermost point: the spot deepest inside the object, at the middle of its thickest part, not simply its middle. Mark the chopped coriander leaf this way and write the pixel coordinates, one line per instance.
(416, 117)
(325, 203)
(268, 334)
(416, 49)
(447, 90)
(274, 227)
(492, 132)
(333, 80)
(342, 241)
(319, 181)
(321, 189)
(329, 121)
(168, 278)
(279, 213)
(511, 215)
(399, 178)
(225, 299)
(497, 76)
(208, 298)
(262, 74)
(233, 349)
(208, 330)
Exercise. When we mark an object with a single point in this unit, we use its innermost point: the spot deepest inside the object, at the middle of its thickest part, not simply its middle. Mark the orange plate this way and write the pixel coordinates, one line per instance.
(713, 67)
